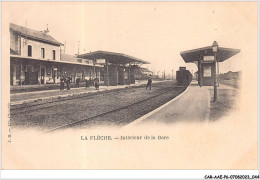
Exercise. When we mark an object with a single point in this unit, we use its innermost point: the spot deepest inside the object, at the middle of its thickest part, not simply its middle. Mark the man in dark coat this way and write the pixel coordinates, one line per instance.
(68, 83)
(96, 84)
(87, 83)
(61, 83)
(77, 82)
(149, 83)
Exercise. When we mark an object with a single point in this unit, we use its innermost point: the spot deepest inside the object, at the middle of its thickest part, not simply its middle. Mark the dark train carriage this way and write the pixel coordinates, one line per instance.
(183, 76)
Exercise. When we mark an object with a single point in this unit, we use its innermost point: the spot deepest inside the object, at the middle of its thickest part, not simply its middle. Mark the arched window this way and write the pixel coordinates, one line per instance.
(53, 55)
(29, 50)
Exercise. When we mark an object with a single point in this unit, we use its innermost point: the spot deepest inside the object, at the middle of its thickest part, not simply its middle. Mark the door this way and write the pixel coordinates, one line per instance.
(42, 75)
(28, 71)
(54, 74)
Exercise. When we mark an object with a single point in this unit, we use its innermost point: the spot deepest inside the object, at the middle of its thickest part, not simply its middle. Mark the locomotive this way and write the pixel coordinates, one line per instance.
(183, 76)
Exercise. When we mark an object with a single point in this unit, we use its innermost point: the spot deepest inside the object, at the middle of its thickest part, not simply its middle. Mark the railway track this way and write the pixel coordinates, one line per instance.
(124, 118)
(53, 102)
(107, 108)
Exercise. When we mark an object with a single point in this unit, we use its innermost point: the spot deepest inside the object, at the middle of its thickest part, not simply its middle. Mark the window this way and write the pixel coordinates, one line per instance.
(53, 55)
(29, 50)
(42, 53)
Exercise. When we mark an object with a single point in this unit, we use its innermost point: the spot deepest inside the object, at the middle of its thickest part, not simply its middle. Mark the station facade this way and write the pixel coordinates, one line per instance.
(37, 58)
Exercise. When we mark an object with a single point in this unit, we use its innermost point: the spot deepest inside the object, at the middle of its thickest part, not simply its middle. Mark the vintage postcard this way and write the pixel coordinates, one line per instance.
(129, 85)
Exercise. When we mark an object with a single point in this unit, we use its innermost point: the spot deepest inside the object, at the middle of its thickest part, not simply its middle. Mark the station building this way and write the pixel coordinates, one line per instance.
(36, 58)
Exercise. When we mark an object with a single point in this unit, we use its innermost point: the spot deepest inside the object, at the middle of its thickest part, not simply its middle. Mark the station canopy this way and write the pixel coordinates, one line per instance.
(196, 54)
(115, 58)
(145, 70)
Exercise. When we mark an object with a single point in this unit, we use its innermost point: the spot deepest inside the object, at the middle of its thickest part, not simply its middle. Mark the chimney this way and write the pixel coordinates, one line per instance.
(47, 30)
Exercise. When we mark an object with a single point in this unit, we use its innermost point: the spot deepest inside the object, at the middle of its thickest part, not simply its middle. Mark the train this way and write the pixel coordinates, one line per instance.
(183, 76)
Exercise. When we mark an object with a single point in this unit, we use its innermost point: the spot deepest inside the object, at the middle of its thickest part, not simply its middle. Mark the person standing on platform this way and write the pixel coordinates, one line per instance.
(77, 82)
(68, 83)
(61, 83)
(87, 83)
(149, 83)
(96, 84)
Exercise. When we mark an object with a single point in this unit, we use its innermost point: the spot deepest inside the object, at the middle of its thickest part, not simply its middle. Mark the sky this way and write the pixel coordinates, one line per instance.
(153, 31)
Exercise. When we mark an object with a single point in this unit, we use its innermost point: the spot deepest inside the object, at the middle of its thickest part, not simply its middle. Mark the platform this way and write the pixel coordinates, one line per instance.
(27, 97)
(195, 104)
(192, 105)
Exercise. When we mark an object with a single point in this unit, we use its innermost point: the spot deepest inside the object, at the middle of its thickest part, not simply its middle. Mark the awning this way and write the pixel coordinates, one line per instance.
(197, 54)
(145, 70)
(115, 58)
(51, 61)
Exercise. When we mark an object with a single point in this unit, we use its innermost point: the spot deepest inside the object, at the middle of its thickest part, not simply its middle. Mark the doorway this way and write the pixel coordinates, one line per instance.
(42, 75)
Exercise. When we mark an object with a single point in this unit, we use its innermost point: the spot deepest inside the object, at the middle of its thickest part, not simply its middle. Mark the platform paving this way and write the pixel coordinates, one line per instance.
(27, 97)
(192, 105)
(195, 104)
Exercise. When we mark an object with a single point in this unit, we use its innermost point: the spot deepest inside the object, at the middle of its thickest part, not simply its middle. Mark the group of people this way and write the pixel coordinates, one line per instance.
(90, 82)
(64, 81)
(67, 81)
(94, 82)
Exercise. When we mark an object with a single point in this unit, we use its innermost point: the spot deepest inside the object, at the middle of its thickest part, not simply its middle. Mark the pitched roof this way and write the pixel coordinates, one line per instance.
(196, 54)
(112, 57)
(67, 57)
(37, 35)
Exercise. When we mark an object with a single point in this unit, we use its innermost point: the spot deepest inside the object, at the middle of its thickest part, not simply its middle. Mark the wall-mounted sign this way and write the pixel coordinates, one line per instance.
(101, 61)
(208, 58)
(207, 71)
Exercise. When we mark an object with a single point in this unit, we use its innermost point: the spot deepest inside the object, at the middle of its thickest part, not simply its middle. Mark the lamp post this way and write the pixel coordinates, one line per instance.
(107, 62)
(215, 50)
